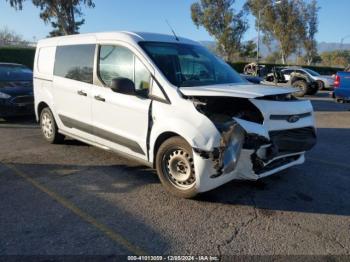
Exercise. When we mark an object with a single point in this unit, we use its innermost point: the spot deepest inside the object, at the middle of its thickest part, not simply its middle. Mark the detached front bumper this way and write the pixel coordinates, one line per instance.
(265, 151)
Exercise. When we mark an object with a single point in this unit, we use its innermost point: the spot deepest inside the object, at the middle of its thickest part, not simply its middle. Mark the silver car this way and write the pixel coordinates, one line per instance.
(324, 82)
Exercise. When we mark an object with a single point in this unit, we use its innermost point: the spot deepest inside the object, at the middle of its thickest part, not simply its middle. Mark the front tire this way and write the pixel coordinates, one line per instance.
(49, 127)
(175, 167)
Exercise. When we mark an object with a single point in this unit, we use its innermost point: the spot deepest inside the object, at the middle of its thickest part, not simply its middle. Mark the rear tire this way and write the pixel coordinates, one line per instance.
(302, 86)
(175, 167)
(49, 127)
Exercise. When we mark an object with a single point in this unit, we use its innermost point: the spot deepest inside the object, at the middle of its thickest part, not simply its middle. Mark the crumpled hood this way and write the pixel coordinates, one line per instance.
(236, 90)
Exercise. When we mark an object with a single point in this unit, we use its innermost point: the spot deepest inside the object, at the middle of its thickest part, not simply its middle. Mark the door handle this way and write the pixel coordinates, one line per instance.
(82, 93)
(99, 98)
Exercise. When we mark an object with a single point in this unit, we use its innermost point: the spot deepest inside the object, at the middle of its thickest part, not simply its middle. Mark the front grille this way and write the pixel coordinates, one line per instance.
(23, 100)
(294, 140)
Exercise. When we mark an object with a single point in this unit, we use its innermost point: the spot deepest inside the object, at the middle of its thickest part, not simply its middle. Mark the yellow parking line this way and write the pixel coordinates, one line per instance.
(329, 162)
(117, 238)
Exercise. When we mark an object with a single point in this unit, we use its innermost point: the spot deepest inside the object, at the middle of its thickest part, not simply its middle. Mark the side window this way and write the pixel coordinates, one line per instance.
(117, 61)
(75, 62)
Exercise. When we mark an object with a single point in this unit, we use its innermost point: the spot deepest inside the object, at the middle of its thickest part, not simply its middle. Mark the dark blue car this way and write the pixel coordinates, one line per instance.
(16, 91)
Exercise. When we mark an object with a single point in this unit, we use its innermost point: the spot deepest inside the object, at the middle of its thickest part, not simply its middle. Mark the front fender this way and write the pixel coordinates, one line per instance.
(204, 137)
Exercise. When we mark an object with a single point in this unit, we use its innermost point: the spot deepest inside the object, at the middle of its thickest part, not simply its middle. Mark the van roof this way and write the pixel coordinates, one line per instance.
(133, 37)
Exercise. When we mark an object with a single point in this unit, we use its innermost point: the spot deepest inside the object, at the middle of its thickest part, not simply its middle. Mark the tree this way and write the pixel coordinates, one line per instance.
(8, 37)
(311, 28)
(273, 58)
(62, 14)
(336, 58)
(283, 22)
(221, 22)
(249, 50)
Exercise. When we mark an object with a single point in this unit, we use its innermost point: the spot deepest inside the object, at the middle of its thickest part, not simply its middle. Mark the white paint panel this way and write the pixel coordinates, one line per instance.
(46, 60)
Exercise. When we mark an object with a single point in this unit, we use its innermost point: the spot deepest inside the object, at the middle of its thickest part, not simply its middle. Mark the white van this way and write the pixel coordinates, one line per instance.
(170, 103)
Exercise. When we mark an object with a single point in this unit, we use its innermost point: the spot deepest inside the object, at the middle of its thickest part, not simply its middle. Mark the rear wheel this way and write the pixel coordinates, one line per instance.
(175, 167)
(302, 86)
(49, 127)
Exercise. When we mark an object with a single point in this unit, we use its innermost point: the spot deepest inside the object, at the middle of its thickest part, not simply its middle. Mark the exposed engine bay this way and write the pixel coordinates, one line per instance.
(221, 110)
(227, 112)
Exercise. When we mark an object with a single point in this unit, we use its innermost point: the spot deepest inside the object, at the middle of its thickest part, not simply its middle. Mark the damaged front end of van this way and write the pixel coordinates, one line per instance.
(258, 137)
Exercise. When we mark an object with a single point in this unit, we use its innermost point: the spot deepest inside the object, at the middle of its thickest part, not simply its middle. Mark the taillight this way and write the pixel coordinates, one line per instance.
(337, 81)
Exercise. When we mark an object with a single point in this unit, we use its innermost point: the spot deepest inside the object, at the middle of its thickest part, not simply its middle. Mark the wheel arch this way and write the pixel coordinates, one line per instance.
(323, 84)
(40, 108)
(160, 140)
(295, 79)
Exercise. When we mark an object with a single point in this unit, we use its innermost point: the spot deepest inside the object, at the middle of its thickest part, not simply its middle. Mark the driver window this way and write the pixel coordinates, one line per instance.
(117, 61)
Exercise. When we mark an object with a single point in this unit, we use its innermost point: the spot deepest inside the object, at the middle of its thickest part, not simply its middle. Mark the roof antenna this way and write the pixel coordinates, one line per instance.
(172, 30)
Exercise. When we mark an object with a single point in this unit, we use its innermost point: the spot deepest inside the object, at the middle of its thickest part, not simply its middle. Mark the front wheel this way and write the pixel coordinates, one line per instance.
(49, 127)
(175, 167)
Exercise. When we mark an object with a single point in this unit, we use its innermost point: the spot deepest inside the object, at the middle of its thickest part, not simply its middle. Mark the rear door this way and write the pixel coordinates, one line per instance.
(73, 77)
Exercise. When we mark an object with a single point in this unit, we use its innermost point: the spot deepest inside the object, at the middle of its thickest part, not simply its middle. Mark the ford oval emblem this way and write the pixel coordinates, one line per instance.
(293, 119)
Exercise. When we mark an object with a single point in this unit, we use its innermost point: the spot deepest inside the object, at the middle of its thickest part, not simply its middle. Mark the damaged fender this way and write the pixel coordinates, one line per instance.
(231, 161)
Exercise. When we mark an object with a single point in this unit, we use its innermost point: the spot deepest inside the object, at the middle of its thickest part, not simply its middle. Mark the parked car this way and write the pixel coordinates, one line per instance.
(304, 84)
(324, 82)
(342, 87)
(16, 91)
(171, 104)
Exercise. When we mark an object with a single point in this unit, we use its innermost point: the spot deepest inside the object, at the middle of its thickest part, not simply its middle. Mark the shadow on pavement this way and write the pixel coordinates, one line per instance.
(19, 122)
(314, 187)
(83, 186)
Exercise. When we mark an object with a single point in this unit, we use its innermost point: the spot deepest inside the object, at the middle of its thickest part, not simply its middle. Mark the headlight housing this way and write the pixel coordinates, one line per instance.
(4, 96)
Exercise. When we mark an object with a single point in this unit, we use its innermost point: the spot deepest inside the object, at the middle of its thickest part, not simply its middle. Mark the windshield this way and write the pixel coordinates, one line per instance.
(312, 72)
(187, 65)
(15, 73)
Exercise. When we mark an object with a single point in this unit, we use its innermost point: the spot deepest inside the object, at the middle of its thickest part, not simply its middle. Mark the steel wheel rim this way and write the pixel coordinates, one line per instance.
(47, 125)
(178, 166)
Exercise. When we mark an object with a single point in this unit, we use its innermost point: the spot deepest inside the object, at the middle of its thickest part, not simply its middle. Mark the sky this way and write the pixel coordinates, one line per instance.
(150, 16)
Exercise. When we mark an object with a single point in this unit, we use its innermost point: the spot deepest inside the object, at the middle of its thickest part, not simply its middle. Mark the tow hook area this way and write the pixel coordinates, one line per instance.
(226, 156)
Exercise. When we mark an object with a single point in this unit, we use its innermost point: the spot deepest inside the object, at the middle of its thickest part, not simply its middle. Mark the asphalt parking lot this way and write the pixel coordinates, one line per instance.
(78, 199)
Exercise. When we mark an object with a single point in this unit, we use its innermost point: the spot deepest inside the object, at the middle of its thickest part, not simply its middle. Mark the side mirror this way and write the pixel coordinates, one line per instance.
(123, 86)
